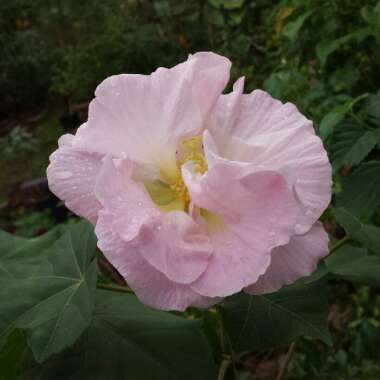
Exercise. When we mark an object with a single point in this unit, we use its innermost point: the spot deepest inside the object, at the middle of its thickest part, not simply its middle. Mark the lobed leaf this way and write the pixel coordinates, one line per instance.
(351, 143)
(361, 190)
(21, 256)
(366, 234)
(127, 340)
(354, 264)
(54, 305)
(270, 320)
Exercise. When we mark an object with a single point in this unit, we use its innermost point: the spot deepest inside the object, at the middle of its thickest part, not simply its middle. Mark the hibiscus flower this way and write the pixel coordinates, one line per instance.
(196, 195)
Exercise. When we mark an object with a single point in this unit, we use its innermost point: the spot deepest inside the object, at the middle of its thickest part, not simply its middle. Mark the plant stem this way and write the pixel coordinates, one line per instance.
(114, 288)
(284, 367)
(223, 368)
(337, 245)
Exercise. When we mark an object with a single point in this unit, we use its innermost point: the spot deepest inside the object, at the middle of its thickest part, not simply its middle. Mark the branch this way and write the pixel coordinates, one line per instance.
(282, 372)
(223, 368)
(114, 288)
(339, 244)
(107, 267)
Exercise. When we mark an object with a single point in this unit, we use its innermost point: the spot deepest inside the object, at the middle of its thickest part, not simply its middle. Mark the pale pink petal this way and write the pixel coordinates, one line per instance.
(275, 136)
(145, 116)
(151, 287)
(297, 259)
(72, 175)
(226, 113)
(178, 247)
(257, 212)
(171, 242)
(127, 201)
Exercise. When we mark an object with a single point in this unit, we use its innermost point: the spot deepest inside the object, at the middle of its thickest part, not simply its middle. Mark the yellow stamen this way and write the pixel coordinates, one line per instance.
(172, 192)
(192, 151)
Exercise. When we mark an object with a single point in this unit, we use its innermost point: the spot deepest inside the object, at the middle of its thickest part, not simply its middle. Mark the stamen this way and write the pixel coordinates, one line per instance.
(190, 150)
(193, 151)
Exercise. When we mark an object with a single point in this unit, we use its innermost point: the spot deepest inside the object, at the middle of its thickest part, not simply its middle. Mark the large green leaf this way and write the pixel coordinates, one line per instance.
(366, 234)
(361, 190)
(354, 264)
(20, 256)
(127, 340)
(12, 355)
(271, 320)
(351, 143)
(55, 304)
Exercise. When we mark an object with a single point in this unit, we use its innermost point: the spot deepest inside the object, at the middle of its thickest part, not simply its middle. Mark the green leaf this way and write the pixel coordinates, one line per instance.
(272, 320)
(366, 234)
(127, 340)
(354, 264)
(351, 143)
(292, 29)
(20, 256)
(326, 47)
(361, 190)
(227, 4)
(54, 305)
(372, 108)
(336, 115)
(372, 16)
(11, 356)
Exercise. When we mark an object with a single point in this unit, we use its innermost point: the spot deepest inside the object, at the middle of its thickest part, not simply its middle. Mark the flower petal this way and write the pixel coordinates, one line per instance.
(275, 136)
(178, 247)
(145, 116)
(254, 213)
(126, 200)
(151, 287)
(297, 259)
(72, 174)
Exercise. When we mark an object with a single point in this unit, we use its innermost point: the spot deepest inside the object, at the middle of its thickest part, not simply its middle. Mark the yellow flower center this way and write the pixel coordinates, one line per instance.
(193, 151)
(171, 193)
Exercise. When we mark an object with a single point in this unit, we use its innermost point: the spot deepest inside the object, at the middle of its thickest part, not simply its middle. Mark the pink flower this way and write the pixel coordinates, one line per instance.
(196, 195)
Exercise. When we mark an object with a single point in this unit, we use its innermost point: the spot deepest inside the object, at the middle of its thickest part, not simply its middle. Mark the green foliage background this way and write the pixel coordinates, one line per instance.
(322, 55)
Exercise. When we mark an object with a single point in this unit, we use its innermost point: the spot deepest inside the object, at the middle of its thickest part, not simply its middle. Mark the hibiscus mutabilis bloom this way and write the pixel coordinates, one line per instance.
(196, 195)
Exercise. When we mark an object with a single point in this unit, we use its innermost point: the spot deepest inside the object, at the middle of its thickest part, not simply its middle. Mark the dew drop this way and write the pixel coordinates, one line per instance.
(64, 175)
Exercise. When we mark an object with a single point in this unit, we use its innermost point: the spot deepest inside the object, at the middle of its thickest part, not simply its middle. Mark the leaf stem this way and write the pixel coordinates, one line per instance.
(337, 245)
(114, 288)
(282, 372)
(223, 368)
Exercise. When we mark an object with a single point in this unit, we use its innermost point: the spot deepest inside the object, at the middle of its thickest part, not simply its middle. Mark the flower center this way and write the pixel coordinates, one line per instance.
(171, 193)
(192, 150)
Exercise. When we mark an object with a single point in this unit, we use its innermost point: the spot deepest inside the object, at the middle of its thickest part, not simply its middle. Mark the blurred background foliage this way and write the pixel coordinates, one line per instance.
(323, 55)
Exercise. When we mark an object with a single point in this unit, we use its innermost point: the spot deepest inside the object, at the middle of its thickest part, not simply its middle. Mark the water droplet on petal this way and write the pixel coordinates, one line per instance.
(64, 175)
(298, 228)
